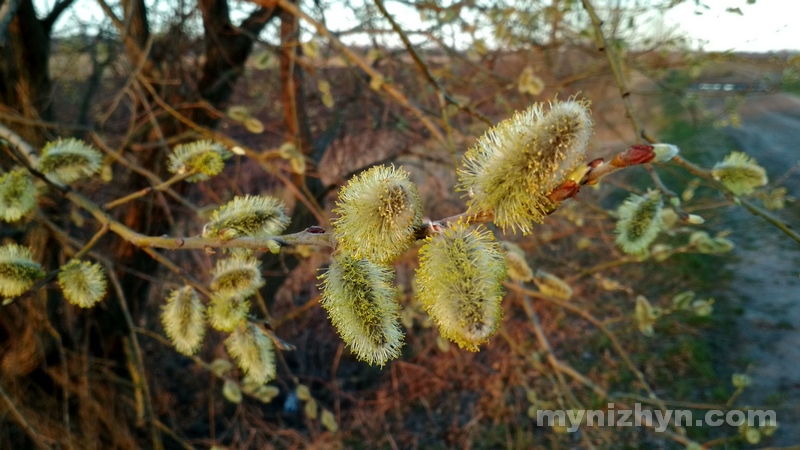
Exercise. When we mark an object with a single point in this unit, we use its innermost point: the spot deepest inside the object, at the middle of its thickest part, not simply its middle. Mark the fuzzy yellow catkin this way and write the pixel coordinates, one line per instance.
(739, 173)
(639, 223)
(360, 301)
(183, 317)
(255, 216)
(518, 268)
(552, 286)
(17, 195)
(253, 352)
(18, 270)
(64, 161)
(518, 163)
(226, 312)
(237, 275)
(645, 315)
(379, 212)
(206, 158)
(459, 284)
(82, 283)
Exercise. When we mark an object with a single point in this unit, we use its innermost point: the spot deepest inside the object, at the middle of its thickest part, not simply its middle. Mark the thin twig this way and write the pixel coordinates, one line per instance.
(35, 435)
(148, 402)
(395, 94)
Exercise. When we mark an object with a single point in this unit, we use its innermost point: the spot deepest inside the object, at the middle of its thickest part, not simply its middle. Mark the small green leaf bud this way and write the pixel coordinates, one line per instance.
(741, 380)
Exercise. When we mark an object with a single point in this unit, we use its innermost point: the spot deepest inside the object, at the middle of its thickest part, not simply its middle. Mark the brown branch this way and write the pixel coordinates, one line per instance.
(395, 94)
(54, 14)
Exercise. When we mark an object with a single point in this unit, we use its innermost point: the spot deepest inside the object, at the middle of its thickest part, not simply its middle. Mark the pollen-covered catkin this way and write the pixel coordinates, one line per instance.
(205, 158)
(739, 173)
(379, 212)
(254, 216)
(82, 283)
(361, 304)
(64, 161)
(518, 163)
(639, 223)
(253, 351)
(17, 195)
(18, 270)
(183, 317)
(237, 275)
(227, 311)
(459, 284)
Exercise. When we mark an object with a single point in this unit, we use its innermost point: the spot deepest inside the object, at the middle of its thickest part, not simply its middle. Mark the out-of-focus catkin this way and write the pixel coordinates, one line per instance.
(82, 283)
(183, 317)
(639, 223)
(739, 173)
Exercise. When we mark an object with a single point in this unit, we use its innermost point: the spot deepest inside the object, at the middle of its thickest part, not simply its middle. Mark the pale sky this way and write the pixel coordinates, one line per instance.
(766, 25)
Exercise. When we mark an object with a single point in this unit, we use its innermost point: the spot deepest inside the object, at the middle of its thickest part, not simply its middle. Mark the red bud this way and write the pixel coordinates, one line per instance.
(633, 155)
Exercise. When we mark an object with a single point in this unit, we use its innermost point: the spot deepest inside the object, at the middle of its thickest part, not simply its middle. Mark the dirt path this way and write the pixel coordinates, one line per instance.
(767, 273)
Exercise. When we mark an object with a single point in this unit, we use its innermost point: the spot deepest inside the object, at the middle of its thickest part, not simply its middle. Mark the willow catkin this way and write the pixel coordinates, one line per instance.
(518, 163)
(18, 270)
(254, 216)
(379, 212)
(83, 283)
(639, 223)
(360, 301)
(183, 317)
(237, 275)
(64, 161)
(17, 195)
(459, 284)
(739, 173)
(253, 351)
(205, 158)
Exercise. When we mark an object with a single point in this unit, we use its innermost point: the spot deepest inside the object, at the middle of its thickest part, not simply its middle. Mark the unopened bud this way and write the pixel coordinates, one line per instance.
(664, 152)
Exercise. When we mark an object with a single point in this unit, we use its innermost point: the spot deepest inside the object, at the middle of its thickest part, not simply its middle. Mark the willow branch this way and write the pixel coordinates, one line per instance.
(35, 435)
(148, 402)
(163, 186)
(395, 94)
(613, 62)
(705, 174)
